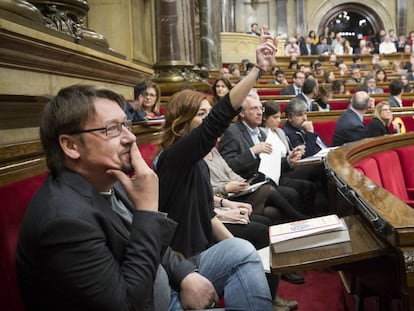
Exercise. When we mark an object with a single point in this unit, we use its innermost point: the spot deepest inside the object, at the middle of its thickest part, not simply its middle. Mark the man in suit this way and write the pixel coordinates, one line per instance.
(307, 47)
(323, 48)
(371, 83)
(299, 130)
(254, 29)
(396, 91)
(92, 237)
(309, 92)
(296, 87)
(350, 125)
(279, 77)
(242, 144)
(133, 109)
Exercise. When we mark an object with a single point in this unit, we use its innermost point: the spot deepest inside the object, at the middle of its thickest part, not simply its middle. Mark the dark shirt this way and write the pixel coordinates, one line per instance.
(76, 253)
(301, 137)
(377, 128)
(349, 127)
(184, 179)
(134, 115)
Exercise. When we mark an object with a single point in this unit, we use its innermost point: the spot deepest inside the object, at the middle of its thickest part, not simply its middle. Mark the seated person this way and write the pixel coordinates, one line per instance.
(396, 91)
(152, 100)
(220, 89)
(355, 76)
(382, 121)
(279, 77)
(350, 125)
(371, 82)
(242, 144)
(309, 92)
(296, 87)
(133, 109)
(299, 130)
(265, 201)
(325, 94)
(312, 173)
(238, 217)
(92, 237)
(190, 131)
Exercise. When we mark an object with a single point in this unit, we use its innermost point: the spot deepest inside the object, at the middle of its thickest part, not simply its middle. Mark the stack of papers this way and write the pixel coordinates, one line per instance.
(309, 233)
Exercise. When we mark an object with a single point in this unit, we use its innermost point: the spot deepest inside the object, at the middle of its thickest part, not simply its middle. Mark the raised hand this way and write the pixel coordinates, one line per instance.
(265, 52)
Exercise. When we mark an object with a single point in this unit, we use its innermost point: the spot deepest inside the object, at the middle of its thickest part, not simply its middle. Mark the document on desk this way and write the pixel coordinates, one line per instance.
(270, 164)
(317, 157)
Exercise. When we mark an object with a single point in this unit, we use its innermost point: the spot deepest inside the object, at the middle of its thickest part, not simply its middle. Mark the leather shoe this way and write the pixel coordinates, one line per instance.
(282, 304)
(293, 278)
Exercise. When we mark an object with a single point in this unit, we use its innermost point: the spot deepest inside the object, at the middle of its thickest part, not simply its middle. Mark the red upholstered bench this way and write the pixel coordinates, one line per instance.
(15, 199)
(406, 155)
(148, 152)
(269, 92)
(392, 175)
(325, 129)
(339, 104)
(407, 102)
(369, 168)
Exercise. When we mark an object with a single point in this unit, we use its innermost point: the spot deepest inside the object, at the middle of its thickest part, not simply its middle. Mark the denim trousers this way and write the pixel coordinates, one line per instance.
(236, 271)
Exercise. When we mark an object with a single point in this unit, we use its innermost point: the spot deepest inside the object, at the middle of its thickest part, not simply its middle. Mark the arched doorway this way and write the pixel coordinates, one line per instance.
(372, 13)
(347, 19)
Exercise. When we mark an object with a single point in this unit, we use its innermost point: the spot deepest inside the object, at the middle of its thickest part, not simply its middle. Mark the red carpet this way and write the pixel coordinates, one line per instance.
(322, 290)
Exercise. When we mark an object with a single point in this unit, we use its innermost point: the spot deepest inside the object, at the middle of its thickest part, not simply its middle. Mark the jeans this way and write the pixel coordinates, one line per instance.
(235, 269)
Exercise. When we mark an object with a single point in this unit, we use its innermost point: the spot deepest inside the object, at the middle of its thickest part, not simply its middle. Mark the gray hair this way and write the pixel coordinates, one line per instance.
(294, 106)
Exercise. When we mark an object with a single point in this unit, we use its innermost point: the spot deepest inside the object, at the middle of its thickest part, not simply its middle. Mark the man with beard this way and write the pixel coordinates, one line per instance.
(92, 237)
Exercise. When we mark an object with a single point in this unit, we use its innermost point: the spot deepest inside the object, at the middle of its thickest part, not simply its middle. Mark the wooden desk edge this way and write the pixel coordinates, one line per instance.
(297, 261)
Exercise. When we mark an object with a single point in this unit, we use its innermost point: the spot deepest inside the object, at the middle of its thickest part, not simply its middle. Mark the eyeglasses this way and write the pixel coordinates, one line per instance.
(111, 130)
(257, 109)
(149, 95)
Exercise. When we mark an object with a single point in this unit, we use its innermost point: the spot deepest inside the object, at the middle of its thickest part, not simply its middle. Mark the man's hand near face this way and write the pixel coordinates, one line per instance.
(141, 188)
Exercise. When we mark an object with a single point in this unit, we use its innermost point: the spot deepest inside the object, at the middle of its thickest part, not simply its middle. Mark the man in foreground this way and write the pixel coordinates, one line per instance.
(92, 237)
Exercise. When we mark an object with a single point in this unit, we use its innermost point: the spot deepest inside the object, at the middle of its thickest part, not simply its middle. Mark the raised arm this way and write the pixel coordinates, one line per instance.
(265, 56)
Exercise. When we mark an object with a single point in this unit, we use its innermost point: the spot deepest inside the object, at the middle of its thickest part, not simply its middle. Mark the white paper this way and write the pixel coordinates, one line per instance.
(264, 254)
(270, 164)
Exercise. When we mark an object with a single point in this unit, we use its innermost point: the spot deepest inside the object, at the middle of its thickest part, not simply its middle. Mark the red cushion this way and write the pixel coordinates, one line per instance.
(325, 129)
(269, 92)
(15, 199)
(148, 152)
(391, 173)
(406, 155)
(339, 104)
(369, 168)
(407, 102)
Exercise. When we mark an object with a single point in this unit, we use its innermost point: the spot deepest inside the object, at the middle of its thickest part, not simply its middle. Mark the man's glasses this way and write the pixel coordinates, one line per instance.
(257, 109)
(111, 130)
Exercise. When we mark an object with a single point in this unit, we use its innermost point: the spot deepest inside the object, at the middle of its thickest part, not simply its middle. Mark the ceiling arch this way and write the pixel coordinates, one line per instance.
(374, 11)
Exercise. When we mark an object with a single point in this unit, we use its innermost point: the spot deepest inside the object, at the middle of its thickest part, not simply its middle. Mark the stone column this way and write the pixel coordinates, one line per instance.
(281, 17)
(227, 16)
(300, 17)
(210, 28)
(402, 7)
(175, 39)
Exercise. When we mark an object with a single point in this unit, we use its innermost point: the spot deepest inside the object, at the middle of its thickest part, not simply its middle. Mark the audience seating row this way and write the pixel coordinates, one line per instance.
(393, 171)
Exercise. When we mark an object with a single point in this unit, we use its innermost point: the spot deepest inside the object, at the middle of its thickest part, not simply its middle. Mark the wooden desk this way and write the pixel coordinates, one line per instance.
(363, 245)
